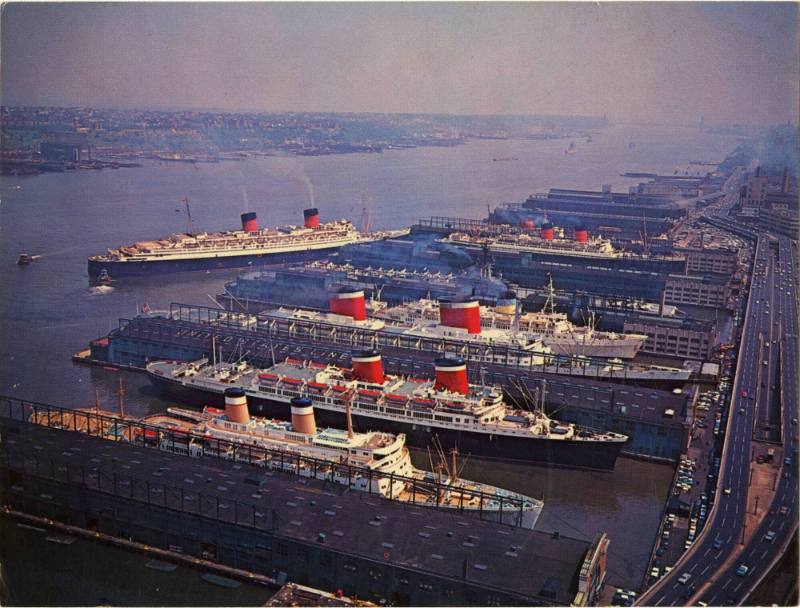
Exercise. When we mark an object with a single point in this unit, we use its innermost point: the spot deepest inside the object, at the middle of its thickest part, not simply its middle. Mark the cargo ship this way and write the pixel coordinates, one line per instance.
(230, 249)
(551, 328)
(475, 419)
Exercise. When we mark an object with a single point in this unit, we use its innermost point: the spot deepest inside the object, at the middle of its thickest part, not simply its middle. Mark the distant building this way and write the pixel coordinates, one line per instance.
(753, 194)
(64, 152)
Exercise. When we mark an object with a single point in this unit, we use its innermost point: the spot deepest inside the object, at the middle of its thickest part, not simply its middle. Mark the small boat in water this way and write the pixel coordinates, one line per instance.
(104, 278)
(25, 258)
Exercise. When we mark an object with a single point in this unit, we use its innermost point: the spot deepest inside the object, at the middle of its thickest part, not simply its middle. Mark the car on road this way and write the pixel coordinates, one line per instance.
(744, 394)
(684, 578)
(727, 491)
(742, 570)
(783, 510)
(717, 544)
(770, 536)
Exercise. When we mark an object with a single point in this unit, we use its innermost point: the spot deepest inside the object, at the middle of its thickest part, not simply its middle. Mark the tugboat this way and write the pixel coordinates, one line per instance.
(25, 258)
(104, 278)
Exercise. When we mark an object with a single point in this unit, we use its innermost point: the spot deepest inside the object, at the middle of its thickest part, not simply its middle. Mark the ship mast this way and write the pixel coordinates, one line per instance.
(349, 415)
(121, 399)
(189, 227)
(550, 302)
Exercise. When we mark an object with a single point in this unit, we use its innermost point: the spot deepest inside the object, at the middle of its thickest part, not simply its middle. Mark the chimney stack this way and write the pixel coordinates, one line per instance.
(507, 303)
(465, 314)
(311, 217)
(249, 222)
(367, 366)
(303, 416)
(451, 375)
(236, 405)
(581, 234)
(547, 231)
(350, 302)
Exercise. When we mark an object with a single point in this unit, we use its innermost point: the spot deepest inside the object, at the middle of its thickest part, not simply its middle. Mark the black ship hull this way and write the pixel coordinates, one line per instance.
(139, 269)
(583, 454)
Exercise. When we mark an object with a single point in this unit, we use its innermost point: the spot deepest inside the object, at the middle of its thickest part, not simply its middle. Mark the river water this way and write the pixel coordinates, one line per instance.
(48, 310)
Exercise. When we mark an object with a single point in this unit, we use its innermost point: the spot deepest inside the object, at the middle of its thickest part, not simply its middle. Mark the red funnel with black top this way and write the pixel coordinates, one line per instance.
(465, 314)
(451, 375)
(367, 366)
(249, 222)
(349, 302)
(311, 217)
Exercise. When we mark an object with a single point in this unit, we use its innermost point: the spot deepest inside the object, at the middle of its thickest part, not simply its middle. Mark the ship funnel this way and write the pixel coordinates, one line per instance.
(349, 302)
(311, 217)
(249, 222)
(527, 225)
(581, 234)
(367, 366)
(547, 231)
(461, 313)
(303, 416)
(451, 375)
(236, 405)
(507, 303)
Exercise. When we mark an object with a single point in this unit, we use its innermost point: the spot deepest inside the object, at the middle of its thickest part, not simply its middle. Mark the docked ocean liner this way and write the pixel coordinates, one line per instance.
(474, 419)
(378, 463)
(229, 249)
(551, 328)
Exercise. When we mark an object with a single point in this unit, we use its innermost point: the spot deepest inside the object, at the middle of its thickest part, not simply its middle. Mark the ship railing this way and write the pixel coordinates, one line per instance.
(102, 424)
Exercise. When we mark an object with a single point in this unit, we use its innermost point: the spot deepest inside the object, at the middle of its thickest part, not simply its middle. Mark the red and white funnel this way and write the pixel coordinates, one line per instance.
(547, 231)
(303, 416)
(349, 302)
(311, 217)
(249, 222)
(367, 366)
(461, 313)
(236, 405)
(451, 375)
(581, 234)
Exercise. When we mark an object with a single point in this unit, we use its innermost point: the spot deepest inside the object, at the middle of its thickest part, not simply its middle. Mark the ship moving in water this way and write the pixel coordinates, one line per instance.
(230, 249)
(474, 419)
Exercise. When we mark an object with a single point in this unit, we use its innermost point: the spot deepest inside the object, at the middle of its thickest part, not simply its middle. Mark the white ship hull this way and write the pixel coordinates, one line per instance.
(610, 349)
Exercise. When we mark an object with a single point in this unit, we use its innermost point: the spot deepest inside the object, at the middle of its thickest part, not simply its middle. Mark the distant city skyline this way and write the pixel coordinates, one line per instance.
(661, 62)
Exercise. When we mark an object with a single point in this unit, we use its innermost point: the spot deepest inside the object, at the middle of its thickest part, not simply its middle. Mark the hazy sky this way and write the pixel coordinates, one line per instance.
(660, 62)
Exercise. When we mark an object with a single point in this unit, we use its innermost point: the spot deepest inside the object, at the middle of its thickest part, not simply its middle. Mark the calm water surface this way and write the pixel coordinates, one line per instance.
(48, 311)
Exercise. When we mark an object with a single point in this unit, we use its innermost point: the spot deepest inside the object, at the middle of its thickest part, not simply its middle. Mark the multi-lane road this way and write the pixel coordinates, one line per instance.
(767, 358)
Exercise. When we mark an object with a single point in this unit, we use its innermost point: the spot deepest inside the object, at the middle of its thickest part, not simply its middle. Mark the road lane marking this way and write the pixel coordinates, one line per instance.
(728, 582)
(705, 570)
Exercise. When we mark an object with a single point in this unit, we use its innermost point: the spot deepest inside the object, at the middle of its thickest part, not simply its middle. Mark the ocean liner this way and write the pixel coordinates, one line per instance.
(551, 328)
(475, 419)
(372, 461)
(230, 249)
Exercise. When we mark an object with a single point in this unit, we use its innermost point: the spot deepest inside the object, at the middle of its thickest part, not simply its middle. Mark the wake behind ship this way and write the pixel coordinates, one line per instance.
(474, 419)
(229, 249)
